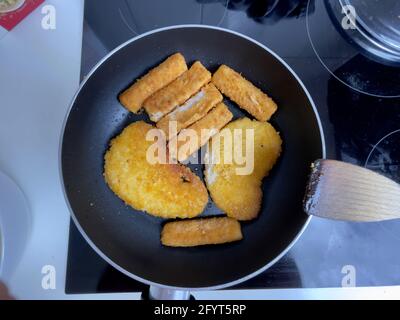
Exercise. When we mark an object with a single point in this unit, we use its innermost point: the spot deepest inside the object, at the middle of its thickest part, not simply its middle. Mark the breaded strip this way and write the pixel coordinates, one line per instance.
(177, 92)
(163, 190)
(182, 147)
(244, 93)
(197, 232)
(240, 196)
(133, 97)
(192, 110)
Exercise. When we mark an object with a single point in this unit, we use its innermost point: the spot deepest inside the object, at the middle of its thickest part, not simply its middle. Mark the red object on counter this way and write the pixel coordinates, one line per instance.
(10, 19)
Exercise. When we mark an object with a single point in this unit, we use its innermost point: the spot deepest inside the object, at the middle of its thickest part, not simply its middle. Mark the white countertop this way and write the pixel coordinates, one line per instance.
(39, 74)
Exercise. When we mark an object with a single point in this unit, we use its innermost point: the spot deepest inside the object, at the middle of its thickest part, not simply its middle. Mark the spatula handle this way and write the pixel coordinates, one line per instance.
(342, 191)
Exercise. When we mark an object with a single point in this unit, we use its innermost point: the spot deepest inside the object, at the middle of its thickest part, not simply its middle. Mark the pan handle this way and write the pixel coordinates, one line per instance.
(342, 191)
(158, 293)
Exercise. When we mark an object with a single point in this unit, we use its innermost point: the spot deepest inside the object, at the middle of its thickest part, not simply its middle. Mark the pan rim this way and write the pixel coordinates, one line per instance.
(74, 218)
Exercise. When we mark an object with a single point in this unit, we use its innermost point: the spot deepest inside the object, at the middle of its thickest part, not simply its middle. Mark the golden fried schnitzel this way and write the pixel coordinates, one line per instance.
(196, 232)
(163, 190)
(239, 196)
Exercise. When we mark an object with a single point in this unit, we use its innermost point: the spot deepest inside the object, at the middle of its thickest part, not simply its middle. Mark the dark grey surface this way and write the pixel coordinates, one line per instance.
(354, 123)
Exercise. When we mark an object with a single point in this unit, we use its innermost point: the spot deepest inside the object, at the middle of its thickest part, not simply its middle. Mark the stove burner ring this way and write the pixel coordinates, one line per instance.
(136, 30)
(384, 158)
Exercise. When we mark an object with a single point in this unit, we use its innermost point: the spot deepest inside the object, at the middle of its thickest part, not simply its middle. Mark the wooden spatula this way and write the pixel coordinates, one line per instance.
(342, 191)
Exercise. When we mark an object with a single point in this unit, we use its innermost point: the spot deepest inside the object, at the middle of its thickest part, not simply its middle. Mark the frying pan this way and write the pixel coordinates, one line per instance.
(128, 239)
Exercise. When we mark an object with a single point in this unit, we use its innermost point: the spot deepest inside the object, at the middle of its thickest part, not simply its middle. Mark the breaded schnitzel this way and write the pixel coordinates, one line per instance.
(197, 232)
(239, 196)
(163, 190)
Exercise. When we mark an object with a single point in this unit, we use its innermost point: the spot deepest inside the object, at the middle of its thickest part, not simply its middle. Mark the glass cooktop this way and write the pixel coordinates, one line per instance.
(358, 106)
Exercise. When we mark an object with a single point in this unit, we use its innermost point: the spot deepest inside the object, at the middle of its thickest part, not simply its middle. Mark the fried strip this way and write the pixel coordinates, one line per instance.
(244, 93)
(191, 139)
(197, 232)
(177, 92)
(192, 110)
(133, 97)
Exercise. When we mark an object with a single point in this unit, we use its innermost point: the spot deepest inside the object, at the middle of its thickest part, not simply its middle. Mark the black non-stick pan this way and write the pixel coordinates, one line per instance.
(130, 240)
